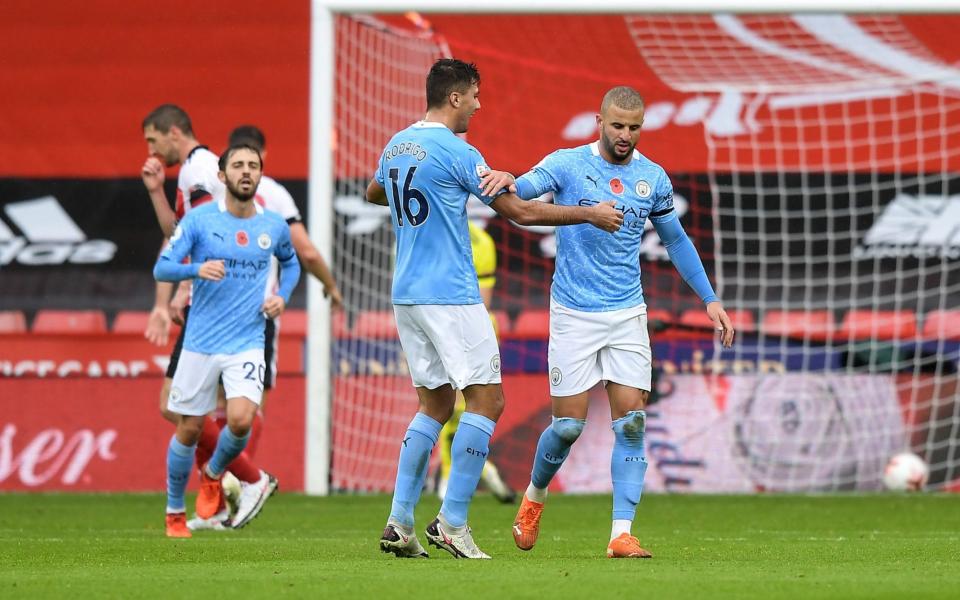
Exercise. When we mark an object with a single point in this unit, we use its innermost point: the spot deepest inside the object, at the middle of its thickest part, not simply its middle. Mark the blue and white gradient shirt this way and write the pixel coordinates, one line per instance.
(225, 315)
(596, 271)
(428, 174)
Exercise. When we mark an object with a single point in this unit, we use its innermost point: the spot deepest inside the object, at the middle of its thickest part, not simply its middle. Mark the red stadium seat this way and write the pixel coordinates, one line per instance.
(376, 324)
(810, 324)
(942, 325)
(131, 322)
(878, 324)
(531, 325)
(659, 314)
(296, 322)
(70, 322)
(503, 321)
(13, 321)
(697, 317)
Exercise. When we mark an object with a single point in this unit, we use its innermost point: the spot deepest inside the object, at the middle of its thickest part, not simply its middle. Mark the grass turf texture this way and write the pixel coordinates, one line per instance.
(874, 546)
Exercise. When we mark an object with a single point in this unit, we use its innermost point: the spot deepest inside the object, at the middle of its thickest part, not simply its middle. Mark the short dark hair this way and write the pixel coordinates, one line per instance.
(248, 134)
(449, 75)
(235, 147)
(166, 116)
(622, 96)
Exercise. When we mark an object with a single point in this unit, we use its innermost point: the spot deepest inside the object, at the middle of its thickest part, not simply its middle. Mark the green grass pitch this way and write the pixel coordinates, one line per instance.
(872, 546)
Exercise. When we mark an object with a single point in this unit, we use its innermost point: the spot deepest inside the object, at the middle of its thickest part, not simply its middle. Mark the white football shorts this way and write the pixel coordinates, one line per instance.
(448, 343)
(588, 347)
(194, 388)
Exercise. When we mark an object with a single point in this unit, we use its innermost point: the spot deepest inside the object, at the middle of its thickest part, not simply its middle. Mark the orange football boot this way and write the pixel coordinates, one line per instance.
(177, 525)
(626, 546)
(210, 496)
(526, 527)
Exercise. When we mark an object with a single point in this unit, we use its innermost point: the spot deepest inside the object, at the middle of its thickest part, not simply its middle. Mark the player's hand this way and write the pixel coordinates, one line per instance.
(606, 217)
(152, 174)
(158, 326)
(492, 182)
(273, 306)
(212, 270)
(179, 302)
(722, 323)
(336, 300)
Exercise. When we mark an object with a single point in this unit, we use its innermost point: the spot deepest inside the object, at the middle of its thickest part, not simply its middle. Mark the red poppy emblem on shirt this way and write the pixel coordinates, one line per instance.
(615, 186)
(242, 239)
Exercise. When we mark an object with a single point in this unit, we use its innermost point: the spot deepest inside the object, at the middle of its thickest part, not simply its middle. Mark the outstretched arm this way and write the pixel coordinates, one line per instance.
(603, 216)
(687, 262)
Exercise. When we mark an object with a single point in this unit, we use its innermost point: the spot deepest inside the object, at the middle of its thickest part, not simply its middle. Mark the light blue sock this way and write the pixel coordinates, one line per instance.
(229, 447)
(418, 443)
(553, 448)
(628, 464)
(471, 444)
(179, 465)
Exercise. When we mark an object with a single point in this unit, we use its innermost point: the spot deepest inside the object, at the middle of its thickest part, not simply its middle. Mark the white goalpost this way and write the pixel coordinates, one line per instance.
(829, 198)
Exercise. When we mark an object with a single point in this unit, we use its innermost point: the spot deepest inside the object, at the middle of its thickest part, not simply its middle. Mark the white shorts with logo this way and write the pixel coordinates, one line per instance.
(448, 343)
(194, 388)
(589, 347)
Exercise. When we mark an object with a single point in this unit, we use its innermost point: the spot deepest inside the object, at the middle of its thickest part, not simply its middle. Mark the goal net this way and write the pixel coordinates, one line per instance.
(837, 225)
(825, 212)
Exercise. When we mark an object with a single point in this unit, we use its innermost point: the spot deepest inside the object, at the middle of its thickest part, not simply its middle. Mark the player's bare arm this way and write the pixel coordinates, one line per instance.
(180, 301)
(721, 322)
(158, 324)
(602, 216)
(313, 261)
(153, 177)
(376, 194)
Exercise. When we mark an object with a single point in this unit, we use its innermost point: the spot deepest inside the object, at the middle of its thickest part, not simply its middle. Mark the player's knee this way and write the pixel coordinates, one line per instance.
(188, 431)
(631, 426)
(496, 406)
(240, 424)
(568, 428)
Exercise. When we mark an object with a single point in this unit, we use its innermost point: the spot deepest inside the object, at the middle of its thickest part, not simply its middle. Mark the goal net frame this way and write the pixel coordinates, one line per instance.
(319, 367)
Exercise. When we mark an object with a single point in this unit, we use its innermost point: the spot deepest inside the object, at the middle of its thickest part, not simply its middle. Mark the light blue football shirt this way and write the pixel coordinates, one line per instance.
(225, 316)
(596, 271)
(429, 173)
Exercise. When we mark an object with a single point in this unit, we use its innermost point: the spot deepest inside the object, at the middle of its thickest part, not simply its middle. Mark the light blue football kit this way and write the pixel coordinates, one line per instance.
(596, 271)
(600, 273)
(428, 174)
(225, 316)
(225, 332)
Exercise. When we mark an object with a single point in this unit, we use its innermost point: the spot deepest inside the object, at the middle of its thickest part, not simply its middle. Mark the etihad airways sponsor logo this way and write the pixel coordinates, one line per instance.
(48, 236)
(914, 226)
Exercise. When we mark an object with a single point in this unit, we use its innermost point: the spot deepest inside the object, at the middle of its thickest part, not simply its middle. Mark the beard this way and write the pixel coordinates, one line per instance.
(239, 194)
(611, 147)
